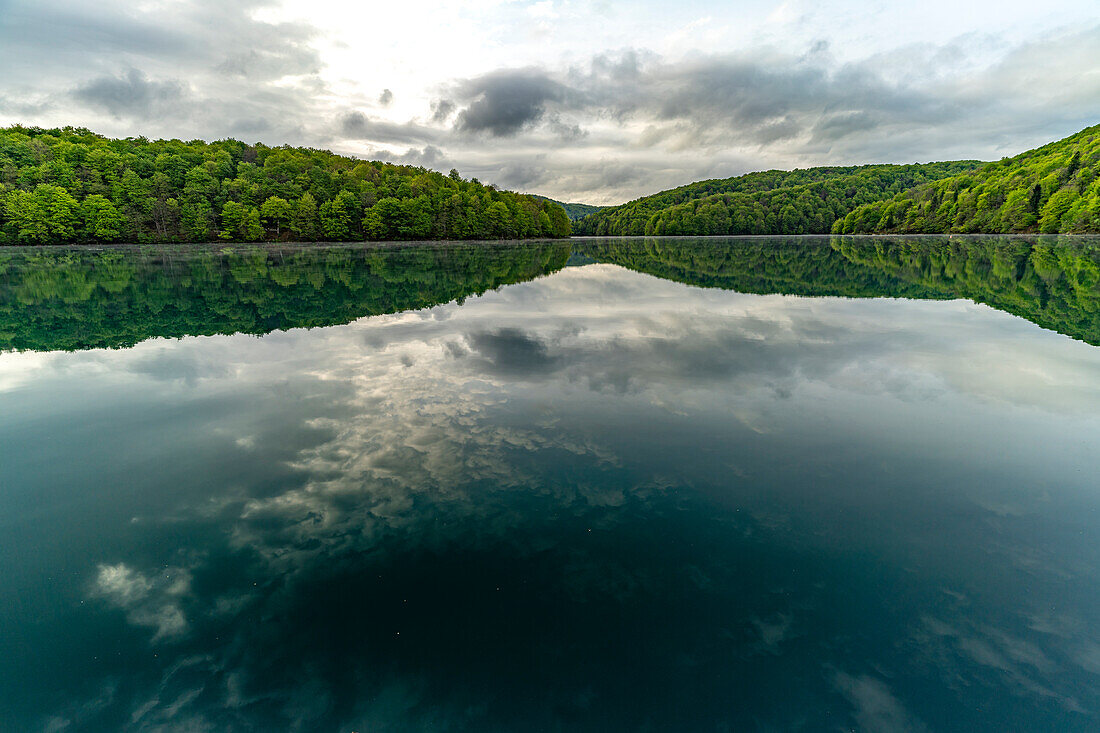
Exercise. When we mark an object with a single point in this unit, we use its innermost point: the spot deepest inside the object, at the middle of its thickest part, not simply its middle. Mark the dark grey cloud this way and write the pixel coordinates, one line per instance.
(772, 102)
(504, 102)
(441, 110)
(38, 30)
(385, 98)
(428, 156)
(747, 98)
(131, 94)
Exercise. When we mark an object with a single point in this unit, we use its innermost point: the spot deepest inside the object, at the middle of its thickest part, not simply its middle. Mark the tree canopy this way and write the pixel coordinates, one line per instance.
(1052, 189)
(71, 185)
(805, 201)
(575, 211)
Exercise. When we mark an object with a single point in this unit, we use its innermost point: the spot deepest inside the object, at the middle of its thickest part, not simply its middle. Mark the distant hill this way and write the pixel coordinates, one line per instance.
(1052, 189)
(71, 185)
(576, 212)
(804, 201)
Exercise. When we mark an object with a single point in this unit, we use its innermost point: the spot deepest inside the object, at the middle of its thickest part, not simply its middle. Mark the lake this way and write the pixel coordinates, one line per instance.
(641, 484)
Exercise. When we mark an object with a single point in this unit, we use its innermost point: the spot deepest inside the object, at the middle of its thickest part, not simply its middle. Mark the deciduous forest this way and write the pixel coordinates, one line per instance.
(71, 185)
(772, 202)
(1054, 189)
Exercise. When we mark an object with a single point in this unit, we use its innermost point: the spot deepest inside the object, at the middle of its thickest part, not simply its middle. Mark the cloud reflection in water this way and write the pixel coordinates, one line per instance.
(593, 501)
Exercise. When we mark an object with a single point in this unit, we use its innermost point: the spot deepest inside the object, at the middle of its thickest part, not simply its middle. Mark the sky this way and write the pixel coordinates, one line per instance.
(597, 102)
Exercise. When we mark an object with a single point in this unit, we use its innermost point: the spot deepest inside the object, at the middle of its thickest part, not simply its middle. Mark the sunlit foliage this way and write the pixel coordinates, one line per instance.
(1052, 189)
(71, 185)
(805, 201)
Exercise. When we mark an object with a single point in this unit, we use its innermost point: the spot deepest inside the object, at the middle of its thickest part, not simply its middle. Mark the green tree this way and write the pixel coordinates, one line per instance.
(336, 218)
(1055, 208)
(102, 220)
(196, 220)
(49, 214)
(304, 223)
(559, 221)
(240, 221)
(276, 211)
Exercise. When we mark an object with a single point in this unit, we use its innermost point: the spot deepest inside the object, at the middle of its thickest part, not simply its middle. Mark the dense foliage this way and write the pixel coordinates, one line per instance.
(1053, 282)
(805, 201)
(67, 299)
(1052, 189)
(575, 212)
(71, 185)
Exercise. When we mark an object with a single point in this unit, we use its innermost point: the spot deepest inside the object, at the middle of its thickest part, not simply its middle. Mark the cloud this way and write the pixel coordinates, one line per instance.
(504, 102)
(663, 122)
(385, 98)
(441, 110)
(162, 69)
(131, 94)
(359, 126)
(969, 652)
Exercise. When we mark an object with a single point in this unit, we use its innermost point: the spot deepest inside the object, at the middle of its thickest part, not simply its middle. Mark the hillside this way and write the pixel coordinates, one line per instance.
(576, 212)
(1052, 189)
(805, 201)
(72, 185)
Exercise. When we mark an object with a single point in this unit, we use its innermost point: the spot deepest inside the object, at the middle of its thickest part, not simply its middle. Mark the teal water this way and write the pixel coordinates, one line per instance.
(617, 484)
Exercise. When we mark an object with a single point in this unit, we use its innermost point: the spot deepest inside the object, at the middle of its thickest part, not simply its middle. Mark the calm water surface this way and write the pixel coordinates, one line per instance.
(639, 484)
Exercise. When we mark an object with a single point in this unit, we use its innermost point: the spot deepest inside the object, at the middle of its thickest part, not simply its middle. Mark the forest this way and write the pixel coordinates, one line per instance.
(1053, 189)
(805, 201)
(575, 212)
(70, 185)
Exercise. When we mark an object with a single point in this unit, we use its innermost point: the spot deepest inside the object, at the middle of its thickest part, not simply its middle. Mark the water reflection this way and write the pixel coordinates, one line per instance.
(596, 500)
(81, 298)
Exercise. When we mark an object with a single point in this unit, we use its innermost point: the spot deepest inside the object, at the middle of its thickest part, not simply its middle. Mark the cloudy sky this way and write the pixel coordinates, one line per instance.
(596, 101)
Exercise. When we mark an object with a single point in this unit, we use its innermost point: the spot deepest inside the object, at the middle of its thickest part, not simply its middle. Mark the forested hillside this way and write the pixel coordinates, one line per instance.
(71, 185)
(805, 201)
(576, 212)
(1052, 189)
